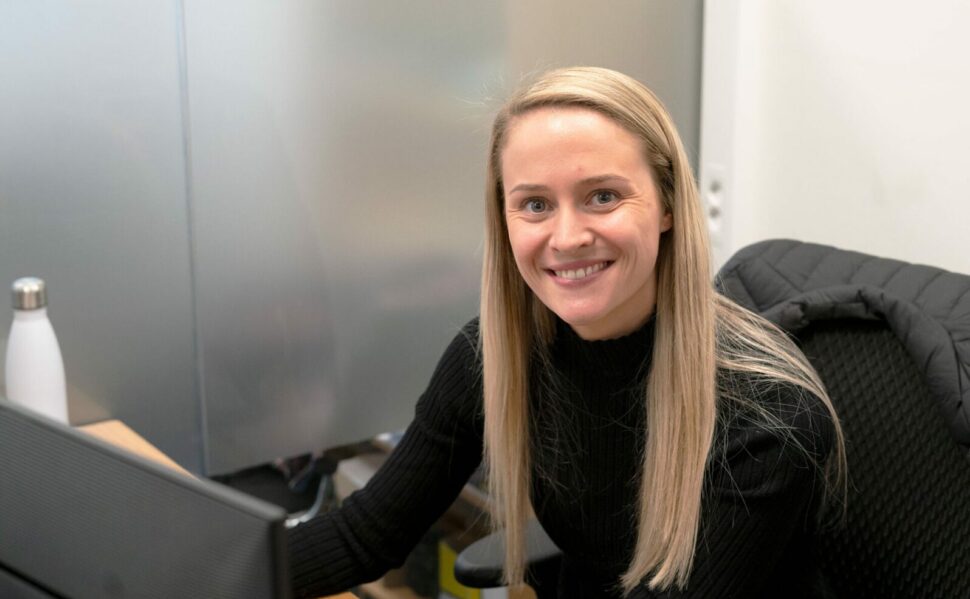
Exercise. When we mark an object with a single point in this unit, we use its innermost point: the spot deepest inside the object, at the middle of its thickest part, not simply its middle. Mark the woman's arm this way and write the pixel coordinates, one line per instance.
(376, 527)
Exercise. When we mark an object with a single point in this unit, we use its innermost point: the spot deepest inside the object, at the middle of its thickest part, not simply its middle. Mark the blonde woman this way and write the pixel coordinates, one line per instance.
(669, 442)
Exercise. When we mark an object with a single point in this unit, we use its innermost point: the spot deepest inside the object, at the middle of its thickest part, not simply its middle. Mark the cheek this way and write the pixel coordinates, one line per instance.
(526, 246)
(648, 249)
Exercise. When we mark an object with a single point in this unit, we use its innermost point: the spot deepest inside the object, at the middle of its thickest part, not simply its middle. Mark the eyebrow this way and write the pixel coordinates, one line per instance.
(595, 180)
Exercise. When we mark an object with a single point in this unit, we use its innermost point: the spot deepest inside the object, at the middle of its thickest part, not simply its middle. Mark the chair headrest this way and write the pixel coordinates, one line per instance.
(793, 284)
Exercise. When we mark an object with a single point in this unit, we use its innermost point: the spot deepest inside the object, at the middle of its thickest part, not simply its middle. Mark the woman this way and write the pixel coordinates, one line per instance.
(670, 443)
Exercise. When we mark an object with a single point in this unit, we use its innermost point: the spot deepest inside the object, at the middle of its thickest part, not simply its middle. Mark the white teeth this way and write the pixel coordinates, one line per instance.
(580, 273)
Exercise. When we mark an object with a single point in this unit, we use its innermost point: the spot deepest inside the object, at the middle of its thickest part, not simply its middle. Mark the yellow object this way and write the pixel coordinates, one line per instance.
(446, 575)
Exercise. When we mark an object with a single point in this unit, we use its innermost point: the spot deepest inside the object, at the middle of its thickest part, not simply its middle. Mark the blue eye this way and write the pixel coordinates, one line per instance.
(602, 198)
(535, 205)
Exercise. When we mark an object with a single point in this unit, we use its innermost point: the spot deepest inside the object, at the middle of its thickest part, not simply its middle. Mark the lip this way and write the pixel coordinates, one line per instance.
(572, 283)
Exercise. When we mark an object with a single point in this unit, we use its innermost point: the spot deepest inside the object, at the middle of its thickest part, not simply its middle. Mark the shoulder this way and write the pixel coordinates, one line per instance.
(462, 354)
(454, 392)
(773, 422)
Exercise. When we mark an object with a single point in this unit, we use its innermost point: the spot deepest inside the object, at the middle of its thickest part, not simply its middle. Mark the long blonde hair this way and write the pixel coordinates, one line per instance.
(697, 332)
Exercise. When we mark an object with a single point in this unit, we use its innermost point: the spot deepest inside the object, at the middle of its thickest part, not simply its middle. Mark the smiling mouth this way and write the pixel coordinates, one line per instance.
(580, 273)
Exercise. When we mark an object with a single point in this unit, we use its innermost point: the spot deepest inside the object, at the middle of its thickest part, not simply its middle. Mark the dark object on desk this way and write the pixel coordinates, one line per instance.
(891, 342)
(82, 518)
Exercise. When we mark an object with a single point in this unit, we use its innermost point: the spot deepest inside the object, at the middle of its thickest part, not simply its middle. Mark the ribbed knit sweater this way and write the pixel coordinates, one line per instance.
(587, 411)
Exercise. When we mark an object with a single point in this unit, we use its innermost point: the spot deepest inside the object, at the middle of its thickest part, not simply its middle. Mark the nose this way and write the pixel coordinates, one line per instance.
(570, 231)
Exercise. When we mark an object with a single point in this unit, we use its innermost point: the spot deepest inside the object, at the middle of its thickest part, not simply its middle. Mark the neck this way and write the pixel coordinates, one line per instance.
(598, 332)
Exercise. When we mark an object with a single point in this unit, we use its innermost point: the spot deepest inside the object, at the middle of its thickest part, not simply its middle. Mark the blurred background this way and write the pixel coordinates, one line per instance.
(261, 223)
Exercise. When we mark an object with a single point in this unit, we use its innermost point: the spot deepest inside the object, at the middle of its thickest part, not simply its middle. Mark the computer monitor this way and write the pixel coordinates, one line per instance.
(81, 518)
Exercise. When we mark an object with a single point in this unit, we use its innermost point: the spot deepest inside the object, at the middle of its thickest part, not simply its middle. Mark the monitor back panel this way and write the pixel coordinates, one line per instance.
(84, 519)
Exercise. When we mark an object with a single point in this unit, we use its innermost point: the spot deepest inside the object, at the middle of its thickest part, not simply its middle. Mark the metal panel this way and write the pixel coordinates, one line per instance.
(92, 199)
(338, 157)
(336, 236)
(337, 152)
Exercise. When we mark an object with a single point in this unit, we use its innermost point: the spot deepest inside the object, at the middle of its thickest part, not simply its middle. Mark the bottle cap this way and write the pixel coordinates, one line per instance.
(29, 293)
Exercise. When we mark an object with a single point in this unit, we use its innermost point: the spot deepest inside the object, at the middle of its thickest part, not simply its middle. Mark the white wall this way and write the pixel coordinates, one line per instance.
(845, 123)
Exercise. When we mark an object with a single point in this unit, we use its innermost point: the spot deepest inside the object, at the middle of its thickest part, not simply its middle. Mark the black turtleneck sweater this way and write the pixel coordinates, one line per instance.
(588, 425)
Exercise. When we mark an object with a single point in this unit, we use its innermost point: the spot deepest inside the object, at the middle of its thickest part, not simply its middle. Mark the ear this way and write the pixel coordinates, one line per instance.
(667, 222)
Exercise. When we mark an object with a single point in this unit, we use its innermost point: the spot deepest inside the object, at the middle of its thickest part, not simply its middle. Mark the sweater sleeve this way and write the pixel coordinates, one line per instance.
(377, 527)
(765, 485)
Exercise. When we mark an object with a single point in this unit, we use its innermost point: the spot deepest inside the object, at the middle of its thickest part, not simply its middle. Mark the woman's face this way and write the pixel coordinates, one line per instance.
(584, 218)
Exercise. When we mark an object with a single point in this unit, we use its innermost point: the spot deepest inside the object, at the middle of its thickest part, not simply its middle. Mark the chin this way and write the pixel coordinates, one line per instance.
(574, 319)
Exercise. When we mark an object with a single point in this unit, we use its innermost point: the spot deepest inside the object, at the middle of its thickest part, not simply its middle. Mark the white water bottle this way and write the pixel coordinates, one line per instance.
(35, 369)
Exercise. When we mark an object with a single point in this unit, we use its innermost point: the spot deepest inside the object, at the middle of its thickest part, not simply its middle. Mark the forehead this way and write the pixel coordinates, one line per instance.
(556, 138)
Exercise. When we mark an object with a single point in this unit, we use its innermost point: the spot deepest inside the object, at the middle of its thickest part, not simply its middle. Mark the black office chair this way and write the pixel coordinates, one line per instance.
(891, 341)
(479, 565)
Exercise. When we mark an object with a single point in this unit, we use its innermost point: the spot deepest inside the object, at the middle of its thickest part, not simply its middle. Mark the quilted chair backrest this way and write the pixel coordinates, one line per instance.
(892, 354)
(906, 531)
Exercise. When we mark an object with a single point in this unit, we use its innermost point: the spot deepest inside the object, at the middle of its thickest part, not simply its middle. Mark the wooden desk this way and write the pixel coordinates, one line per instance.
(118, 433)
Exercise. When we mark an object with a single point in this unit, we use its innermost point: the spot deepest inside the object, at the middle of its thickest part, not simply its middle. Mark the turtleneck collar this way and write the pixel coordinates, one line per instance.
(622, 357)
